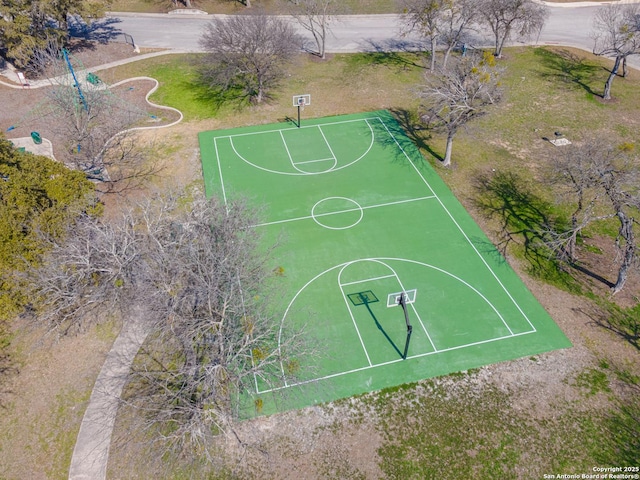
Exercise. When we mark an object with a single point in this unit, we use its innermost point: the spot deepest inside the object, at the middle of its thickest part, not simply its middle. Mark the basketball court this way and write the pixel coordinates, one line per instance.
(390, 274)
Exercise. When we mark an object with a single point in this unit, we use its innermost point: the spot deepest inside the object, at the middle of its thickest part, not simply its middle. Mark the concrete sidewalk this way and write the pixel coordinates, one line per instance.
(12, 80)
(91, 453)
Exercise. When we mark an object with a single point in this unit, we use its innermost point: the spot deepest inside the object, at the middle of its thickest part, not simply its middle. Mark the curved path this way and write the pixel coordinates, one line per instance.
(91, 452)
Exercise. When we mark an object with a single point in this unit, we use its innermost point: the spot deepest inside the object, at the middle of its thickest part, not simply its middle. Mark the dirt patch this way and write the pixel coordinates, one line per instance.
(48, 399)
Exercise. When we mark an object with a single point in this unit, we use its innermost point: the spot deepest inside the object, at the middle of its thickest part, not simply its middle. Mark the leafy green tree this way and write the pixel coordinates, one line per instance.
(29, 25)
(39, 198)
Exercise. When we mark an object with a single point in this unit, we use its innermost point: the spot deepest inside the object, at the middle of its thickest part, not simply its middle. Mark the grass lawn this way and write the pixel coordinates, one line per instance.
(562, 412)
(576, 400)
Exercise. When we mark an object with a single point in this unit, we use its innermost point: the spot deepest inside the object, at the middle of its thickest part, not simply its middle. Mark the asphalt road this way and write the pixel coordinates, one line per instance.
(350, 33)
(568, 24)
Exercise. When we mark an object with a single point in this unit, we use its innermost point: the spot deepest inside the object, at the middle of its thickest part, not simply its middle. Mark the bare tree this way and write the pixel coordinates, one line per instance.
(445, 22)
(248, 53)
(454, 97)
(617, 34)
(505, 17)
(194, 268)
(91, 124)
(429, 18)
(621, 182)
(603, 182)
(460, 18)
(575, 173)
(315, 16)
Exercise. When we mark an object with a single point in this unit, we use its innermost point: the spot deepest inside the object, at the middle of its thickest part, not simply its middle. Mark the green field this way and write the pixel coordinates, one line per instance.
(359, 210)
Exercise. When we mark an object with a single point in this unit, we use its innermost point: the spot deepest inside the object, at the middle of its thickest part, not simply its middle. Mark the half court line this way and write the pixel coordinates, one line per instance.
(307, 217)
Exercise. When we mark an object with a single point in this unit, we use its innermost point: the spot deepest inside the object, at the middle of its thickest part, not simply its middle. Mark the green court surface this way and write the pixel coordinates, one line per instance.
(364, 217)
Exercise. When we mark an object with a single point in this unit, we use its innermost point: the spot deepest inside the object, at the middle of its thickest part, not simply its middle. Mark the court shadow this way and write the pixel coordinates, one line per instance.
(382, 330)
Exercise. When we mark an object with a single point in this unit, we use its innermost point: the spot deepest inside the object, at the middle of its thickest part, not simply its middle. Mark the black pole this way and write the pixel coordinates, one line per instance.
(403, 304)
(298, 115)
(406, 345)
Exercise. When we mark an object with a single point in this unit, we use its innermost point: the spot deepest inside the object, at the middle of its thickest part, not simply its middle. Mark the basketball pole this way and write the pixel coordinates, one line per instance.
(402, 303)
(298, 114)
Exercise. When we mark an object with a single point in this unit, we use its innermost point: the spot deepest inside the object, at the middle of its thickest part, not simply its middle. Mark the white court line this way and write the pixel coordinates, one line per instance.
(286, 147)
(455, 223)
(306, 217)
(298, 171)
(314, 161)
(355, 325)
(459, 228)
(296, 128)
(224, 193)
(344, 265)
(395, 275)
(398, 360)
(424, 328)
(329, 146)
(366, 280)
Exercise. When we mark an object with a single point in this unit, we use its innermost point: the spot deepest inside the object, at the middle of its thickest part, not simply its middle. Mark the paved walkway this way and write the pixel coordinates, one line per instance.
(91, 453)
(11, 74)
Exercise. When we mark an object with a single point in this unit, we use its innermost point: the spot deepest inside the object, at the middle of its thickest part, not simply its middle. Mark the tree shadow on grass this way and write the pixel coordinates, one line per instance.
(624, 322)
(504, 195)
(568, 68)
(410, 127)
(217, 96)
(524, 219)
(624, 425)
(394, 53)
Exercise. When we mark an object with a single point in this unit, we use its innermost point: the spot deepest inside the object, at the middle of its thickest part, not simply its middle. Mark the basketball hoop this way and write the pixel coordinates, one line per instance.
(301, 101)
